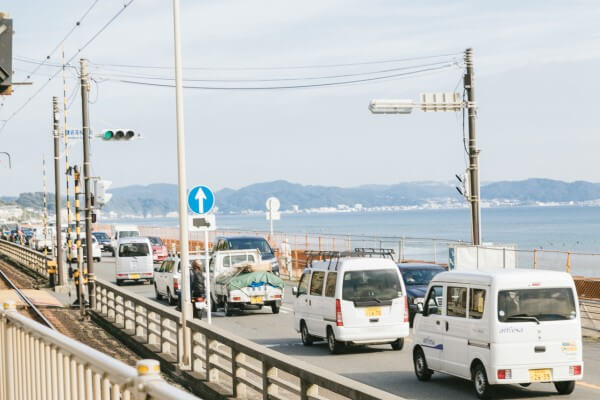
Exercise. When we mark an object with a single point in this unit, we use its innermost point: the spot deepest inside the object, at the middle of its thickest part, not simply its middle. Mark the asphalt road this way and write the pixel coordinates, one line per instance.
(378, 366)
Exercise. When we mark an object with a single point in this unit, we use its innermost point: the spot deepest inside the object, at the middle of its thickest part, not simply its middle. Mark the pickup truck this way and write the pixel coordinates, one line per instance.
(240, 280)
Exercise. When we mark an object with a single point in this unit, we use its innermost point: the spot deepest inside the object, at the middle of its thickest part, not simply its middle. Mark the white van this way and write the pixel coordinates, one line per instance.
(120, 232)
(500, 327)
(134, 260)
(351, 301)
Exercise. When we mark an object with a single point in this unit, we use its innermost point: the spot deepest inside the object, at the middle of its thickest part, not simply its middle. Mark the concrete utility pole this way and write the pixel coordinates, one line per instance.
(85, 118)
(186, 305)
(62, 277)
(473, 151)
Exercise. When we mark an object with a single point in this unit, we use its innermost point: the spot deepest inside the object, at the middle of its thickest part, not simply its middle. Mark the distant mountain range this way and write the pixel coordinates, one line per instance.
(161, 198)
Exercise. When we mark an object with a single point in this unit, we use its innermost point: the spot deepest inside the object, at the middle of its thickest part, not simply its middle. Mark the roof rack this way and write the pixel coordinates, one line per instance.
(333, 255)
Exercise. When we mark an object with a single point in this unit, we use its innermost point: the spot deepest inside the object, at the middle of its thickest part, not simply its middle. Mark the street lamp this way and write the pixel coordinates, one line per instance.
(449, 102)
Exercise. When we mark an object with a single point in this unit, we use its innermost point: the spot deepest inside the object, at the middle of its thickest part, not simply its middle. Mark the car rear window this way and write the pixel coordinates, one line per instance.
(371, 285)
(133, 250)
(526, 305)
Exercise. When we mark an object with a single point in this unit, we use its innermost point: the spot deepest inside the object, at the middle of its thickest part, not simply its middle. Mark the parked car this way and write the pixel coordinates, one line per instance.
(351, 301)
(120, 232)
(500, 327)
(96, 251)
(416, 277)
(167, 278)
(134, 260)
(159, 250)
(104, 241)
(249, 243)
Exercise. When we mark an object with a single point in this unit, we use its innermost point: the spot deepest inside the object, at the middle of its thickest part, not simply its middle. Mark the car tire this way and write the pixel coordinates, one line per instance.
(398, 344)
(307, 339)
(172, 300)
(275, 308)
(565, 387)
(227, 308)
(334, 345)
(119, 282)
(480, 382)
(158, 295)
(422, 371)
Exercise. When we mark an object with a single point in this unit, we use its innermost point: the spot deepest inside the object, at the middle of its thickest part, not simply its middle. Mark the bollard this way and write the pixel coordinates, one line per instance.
(147, 370)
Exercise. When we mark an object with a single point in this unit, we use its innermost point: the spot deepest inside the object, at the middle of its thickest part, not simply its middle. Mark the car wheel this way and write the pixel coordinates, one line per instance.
(119, 282)
(172, 300)
(227, 308)
(158, 295)
(422, 372)
(334, 346)
(565, 387)
(275, 308)
(480, 382)
(307, 339)
(398, 344)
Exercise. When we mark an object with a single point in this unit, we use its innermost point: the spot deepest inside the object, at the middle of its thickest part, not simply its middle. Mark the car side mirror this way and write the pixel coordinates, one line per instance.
(420, 308)
(156, 269)
(295, 291)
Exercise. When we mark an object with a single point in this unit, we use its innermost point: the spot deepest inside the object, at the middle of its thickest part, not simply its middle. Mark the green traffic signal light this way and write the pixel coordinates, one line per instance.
(108, 135)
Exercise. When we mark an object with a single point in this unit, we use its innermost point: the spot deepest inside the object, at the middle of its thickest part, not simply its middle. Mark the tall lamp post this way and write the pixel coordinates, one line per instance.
(449, 102)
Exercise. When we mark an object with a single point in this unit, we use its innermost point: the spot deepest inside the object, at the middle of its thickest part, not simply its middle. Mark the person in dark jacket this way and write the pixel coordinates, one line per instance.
(197, 287)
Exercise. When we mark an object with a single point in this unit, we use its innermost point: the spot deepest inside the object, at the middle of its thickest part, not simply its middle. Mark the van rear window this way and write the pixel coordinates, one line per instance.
(371, 285)
(526, 305)
(133, 250)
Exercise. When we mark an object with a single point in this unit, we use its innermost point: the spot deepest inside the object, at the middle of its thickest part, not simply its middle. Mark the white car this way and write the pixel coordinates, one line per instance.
(96, 249)
(500, 327)
(351, 301)
(134, 260)
(167, 278)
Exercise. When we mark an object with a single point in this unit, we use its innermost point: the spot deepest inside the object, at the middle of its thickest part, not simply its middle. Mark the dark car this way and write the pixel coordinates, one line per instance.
(103, 240)
(249, 243)
(416, 279)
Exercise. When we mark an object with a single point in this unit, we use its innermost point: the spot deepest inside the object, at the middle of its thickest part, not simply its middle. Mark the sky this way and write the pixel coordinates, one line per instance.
(536, 89)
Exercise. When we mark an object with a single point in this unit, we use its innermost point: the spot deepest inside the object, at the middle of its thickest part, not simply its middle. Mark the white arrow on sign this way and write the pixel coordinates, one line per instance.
(200, 196)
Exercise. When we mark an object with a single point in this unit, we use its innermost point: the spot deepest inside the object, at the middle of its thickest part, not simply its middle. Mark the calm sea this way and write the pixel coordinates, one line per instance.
(559, 228)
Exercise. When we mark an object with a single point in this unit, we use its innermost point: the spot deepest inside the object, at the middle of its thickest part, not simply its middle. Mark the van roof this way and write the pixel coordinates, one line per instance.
(353, 263)
(125, 227)
(134, 239)
(506, 277)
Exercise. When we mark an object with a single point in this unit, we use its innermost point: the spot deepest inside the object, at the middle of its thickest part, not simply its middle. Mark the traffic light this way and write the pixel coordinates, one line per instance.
(6, 35)
(118, 134)
(101, 196)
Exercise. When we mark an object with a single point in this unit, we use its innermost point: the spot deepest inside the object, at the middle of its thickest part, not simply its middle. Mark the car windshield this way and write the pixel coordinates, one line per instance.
(418, 276)
(527, 305)
(124, 234)
(250, 243)
(155, 241)
(133, 250)
(101, 235)
(377, 285)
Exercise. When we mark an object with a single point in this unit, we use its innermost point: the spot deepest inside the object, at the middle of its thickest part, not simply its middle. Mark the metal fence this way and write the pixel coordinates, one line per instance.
(238, 367)
(38, 363)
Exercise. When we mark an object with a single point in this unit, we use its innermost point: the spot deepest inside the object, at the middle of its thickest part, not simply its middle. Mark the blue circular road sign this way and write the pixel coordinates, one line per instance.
(201, 200)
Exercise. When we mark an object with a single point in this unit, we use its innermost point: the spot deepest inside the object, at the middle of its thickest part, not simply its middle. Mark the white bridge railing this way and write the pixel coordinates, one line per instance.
(39, 363)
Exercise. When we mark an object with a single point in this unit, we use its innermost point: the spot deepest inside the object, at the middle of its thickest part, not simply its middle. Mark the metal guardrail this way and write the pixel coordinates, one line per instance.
(24, 255)
(38, 363)
(238, 367)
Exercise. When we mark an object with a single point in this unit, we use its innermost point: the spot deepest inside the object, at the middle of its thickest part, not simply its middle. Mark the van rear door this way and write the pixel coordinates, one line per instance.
(372, 298)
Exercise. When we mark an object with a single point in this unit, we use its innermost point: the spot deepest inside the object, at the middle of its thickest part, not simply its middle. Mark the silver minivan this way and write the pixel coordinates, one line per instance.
(134, 260)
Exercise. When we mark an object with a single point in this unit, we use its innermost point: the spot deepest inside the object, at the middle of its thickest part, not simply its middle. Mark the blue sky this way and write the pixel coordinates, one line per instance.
(536, 85)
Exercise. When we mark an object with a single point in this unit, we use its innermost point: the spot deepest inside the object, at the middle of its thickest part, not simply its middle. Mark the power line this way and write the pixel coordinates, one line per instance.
(387, 61)
(114, 17)
(303, 86)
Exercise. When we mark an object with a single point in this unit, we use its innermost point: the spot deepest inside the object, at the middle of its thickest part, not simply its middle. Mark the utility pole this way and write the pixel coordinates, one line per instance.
(62, 277)
(85, 118)
(67, 167)
(473, 151)
(186, 305)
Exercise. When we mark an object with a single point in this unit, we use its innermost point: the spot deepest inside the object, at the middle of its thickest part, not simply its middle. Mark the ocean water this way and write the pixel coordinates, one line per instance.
(574, 229)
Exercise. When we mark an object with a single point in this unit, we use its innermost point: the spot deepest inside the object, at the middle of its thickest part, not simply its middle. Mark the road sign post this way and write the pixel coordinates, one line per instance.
(201, 200)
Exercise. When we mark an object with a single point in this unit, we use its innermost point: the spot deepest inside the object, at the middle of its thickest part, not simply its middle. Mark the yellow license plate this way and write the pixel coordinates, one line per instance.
(256, 300)
(373, 311)
(134, 276)
(540, 375)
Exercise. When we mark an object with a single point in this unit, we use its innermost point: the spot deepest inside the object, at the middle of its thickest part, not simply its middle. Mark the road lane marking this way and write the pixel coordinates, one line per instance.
(588, 385)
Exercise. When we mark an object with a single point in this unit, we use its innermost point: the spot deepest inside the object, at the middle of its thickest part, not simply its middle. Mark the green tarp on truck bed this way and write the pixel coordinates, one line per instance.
(253, 279)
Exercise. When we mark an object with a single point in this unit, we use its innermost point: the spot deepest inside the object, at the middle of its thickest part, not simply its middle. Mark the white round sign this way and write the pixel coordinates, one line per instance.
(273, 204)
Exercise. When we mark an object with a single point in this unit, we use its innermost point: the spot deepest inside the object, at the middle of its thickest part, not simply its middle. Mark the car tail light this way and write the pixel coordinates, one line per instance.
(405, 309)
(175, 284)
(338, 313)
(237, 298)
(504, 374)
(575, 370)
(199, 299)
(276, 296)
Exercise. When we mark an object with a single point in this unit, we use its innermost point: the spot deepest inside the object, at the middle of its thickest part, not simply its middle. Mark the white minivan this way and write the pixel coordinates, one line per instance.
(500, 327)
(134, 260)
(120, 232)
(351, 301)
